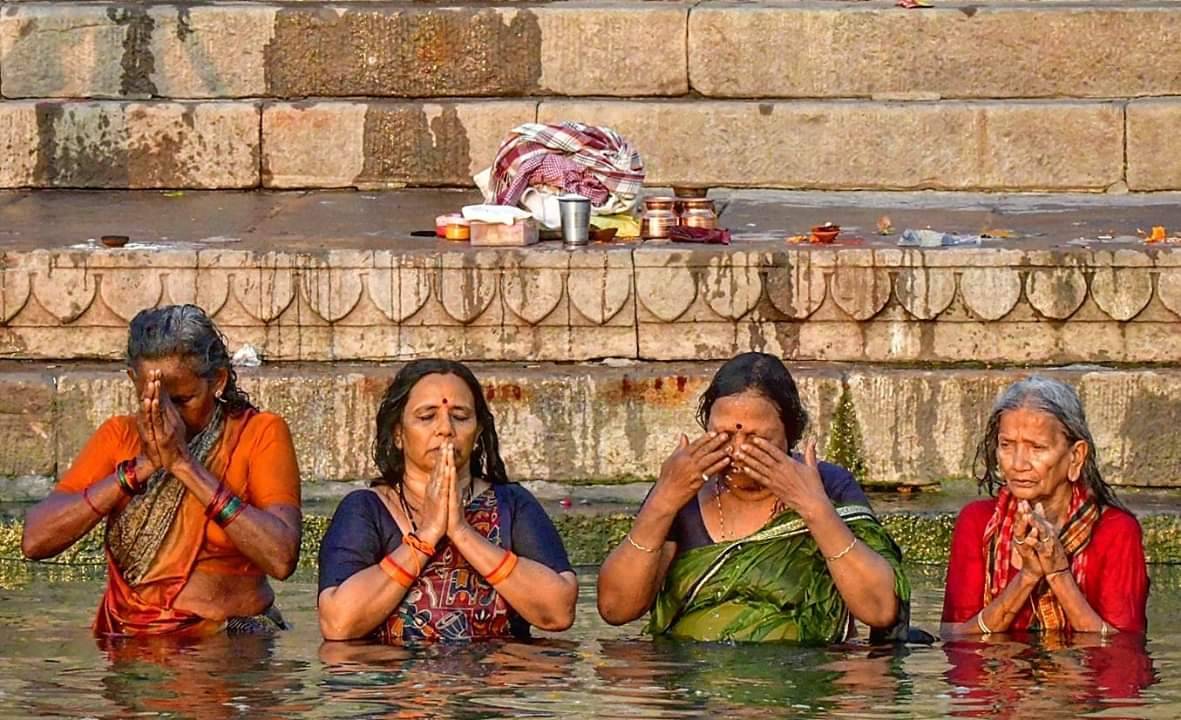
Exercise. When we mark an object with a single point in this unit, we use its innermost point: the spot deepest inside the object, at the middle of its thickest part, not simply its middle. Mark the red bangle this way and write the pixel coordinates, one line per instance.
(396, 572)
(86, 497)
(129, 471)
(508, 563)
(221, 498)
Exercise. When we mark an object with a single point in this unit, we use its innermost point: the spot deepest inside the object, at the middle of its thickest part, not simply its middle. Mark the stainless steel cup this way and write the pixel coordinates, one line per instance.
(574, 211)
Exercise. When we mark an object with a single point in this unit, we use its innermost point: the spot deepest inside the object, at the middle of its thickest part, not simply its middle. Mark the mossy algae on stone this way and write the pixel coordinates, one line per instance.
(844, 439)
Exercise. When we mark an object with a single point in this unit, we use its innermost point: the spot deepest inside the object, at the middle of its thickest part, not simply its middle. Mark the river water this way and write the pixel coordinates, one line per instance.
(51, 667)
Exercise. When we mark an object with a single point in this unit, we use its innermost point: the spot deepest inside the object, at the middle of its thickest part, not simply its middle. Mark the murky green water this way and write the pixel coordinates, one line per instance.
(51, 667)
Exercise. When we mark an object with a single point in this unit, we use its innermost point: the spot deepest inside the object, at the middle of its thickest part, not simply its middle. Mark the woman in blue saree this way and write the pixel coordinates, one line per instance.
(739, 540)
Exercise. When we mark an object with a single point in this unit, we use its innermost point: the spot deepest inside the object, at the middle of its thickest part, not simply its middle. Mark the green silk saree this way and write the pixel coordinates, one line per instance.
(773, 585)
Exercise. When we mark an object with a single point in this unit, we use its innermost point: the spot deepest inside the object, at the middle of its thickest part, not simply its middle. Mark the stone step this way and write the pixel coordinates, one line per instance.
(717, 48)
(1050, 145)
(590, 533)
(1022, 96)
(336, 276)
(594, 424)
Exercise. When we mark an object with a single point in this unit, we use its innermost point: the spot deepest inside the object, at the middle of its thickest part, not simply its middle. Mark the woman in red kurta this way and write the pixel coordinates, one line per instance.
(1054, 550)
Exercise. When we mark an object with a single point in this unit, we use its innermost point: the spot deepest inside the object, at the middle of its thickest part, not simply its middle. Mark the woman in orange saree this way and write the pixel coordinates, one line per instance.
(199, 490)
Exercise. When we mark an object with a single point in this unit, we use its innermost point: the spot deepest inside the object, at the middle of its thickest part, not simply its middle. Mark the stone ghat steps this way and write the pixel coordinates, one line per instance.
(1005, 96)
(601, 428)
(337, 276)
(925, 538)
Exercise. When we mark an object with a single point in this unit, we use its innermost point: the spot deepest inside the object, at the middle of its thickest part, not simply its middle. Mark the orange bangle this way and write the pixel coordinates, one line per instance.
(396, 572)
(507, 564)
(419, 544)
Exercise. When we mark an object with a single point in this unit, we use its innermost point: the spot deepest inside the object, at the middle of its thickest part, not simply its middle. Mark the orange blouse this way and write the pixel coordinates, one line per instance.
(262, 471)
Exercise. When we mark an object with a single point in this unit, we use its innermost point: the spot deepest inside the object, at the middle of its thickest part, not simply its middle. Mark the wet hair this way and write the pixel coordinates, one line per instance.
(1061, 402)
(185, 331)
(763, 374)
(390, 460)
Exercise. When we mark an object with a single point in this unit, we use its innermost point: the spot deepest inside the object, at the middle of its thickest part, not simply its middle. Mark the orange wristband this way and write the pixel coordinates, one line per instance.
(396, 572)
(419, 544)
(507, 564)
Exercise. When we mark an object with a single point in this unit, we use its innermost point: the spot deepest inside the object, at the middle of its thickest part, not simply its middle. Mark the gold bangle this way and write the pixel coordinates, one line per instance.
(640, 547)
(1104, 628)
(1057, 572)
(842, 553)
(980, 623)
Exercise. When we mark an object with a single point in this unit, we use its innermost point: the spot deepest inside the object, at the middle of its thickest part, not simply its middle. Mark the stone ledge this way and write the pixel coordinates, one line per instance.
(337, 277)
(1024, 146)
(954, 50)
(210, 145)
(399, 49)
(384, 144)
(188, 50)
(993, 146)
(925, 539)
(593, 424)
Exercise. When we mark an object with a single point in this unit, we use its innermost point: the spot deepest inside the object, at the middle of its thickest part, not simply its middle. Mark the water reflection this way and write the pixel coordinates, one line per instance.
(1022, 675)
(51, 667)
(215, 678)
(443, 680)
(747, 680)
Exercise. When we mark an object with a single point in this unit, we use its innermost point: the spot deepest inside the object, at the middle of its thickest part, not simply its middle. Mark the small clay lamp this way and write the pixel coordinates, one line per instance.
(825, 234)
(114, 241)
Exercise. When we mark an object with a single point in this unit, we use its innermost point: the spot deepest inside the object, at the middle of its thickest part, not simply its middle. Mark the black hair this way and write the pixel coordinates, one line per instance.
(763, 374)
(391, 462)
(185, 331)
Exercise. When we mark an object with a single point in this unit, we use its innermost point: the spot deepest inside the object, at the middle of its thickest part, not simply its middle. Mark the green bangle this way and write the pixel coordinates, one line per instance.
(124, 485)
(232, 508)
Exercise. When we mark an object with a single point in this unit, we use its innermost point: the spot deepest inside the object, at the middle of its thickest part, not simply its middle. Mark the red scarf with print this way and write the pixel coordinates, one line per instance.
(1075, 534)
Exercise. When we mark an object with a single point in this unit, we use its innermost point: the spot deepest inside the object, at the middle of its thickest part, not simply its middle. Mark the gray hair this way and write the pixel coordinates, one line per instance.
(185, 331)
(1059, 401)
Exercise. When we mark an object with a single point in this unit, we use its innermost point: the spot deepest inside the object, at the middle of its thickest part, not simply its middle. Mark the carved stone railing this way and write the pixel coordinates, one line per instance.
(648, 302)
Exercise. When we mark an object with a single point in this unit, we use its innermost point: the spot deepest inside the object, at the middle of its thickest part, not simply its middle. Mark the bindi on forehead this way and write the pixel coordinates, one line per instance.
(738, 426)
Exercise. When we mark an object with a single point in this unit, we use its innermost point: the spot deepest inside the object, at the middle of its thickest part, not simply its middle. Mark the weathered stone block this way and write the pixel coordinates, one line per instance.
(27, 424)
(383, 144)
(776, 48)
(85, 399)
(63, 50)
(1129, 412)
(1153, 160)
(953, 146)
(614, 48)
(82, 50)
(928, 424)
(571, 48)
(18, 144)
(131, 145)
(403, 51)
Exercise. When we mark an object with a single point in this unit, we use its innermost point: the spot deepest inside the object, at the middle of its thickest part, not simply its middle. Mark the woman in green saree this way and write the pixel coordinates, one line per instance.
(739, 540)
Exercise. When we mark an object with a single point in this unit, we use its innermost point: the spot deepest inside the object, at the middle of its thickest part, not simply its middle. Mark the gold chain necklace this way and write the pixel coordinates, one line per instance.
(776, 508)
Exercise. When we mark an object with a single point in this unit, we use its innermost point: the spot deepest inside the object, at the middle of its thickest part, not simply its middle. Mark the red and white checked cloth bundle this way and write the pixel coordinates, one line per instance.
(591, 161)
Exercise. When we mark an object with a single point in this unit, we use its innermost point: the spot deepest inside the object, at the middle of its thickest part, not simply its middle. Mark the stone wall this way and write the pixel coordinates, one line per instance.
(1015, 95)
(591, 423)
(652, 302)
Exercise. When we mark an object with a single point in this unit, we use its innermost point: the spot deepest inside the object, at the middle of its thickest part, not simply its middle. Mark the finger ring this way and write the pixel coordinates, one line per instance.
(705, 477)
(1019, 541)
